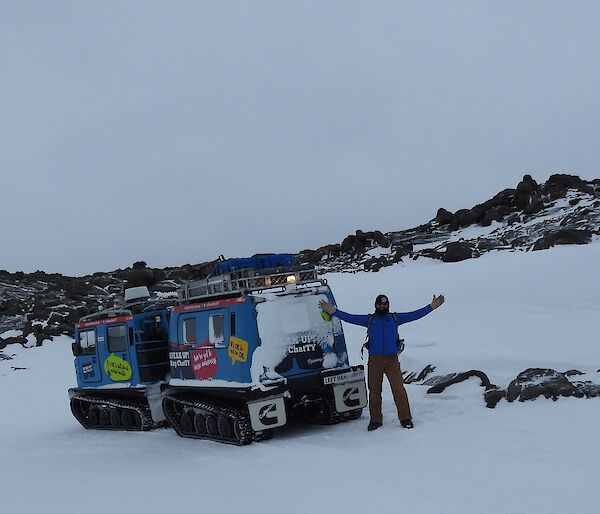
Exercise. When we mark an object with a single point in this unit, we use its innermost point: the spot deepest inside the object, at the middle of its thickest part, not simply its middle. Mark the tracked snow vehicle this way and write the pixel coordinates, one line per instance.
(241, 353)
(121, 362)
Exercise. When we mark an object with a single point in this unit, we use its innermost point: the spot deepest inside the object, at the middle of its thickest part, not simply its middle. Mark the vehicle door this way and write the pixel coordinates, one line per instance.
(88, 362)
(117, 366)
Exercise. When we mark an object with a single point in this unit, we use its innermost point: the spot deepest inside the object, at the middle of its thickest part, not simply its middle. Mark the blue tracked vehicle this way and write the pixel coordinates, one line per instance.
(236, 356)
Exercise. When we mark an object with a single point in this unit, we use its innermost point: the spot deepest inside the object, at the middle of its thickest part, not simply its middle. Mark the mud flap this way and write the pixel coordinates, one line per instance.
(267, 414)
(350, 396)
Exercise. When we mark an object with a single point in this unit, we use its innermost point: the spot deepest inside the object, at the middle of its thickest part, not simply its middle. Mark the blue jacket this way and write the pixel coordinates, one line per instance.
(383, 330)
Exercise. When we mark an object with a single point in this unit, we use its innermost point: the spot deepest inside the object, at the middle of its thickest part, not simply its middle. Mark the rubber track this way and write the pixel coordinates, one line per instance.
(245, 433)
(143, 411)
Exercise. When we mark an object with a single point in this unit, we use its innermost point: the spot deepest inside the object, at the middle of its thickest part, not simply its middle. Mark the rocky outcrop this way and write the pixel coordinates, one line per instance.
(535, 382)
(528, 385)
(563, 210)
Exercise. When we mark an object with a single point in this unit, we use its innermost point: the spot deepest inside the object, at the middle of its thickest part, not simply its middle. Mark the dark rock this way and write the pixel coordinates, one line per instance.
(527, 186)
(439, 386)
(411, 377)
(490, 215)
(534, 207)
(431, 253)
(376, 263)
(56, 318)
(561, 181)
(140, 277)
(438, 379)
(527, 194)
(477, 213)
(493, 396)
(464, 217)
(11, 307)
(457, 251)
(563, 237)
(504, 198)
(13, 340)
(512, 219)
(535, 382)
(574, 201)
(27, 329)
(444, 217)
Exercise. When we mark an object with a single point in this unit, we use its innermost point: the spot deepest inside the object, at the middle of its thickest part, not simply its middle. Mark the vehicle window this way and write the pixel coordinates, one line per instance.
(87, 341)
(189, 330)
(117, 338)
(216, 330)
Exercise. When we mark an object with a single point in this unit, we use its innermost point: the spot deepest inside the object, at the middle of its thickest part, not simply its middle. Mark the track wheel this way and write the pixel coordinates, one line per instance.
(322, 412)
(200, 424)
(223, 427)
(355, 414)
(212, 427)
(103, 417)
(137, 420)
(92, 416)
(186, 421)
(115, 417)
(126, 418)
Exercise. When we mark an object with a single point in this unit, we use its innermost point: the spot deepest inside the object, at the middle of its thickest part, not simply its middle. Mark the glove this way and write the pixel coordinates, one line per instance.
(437, 301)
(326, 307)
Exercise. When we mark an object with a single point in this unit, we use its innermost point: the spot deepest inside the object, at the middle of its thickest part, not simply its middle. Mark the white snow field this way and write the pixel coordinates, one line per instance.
(504, 312)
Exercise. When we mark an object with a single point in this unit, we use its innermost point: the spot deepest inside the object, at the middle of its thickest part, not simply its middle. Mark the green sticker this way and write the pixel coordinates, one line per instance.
(117, 368)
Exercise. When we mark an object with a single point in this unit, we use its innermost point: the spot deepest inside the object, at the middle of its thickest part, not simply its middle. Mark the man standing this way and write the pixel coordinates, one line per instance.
(382, 330)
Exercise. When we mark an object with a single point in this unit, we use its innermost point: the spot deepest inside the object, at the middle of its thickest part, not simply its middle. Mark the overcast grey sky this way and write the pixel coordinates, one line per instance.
(173, 132)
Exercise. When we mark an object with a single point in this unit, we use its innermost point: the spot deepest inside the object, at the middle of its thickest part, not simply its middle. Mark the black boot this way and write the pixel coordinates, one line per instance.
(373, 426)
(406, 423)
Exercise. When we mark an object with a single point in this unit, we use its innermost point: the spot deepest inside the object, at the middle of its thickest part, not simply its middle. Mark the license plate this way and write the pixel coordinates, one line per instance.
(337, 378)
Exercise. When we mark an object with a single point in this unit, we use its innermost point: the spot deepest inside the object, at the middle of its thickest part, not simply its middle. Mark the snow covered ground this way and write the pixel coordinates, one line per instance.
(504, 312)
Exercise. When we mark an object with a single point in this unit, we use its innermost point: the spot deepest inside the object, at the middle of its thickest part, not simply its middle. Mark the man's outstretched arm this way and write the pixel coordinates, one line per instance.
(407, 317)
(355, 319)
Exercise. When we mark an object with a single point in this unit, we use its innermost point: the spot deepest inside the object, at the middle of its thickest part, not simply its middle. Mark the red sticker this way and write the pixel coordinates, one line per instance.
(204, 362)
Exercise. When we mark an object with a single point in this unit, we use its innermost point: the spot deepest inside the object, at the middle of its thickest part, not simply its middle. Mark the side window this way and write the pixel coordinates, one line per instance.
(117, 338)
(216, 330)
(87, 341)
(189, 330)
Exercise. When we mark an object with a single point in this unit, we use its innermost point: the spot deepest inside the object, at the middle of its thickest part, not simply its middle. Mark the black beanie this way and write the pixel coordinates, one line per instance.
(381, 298)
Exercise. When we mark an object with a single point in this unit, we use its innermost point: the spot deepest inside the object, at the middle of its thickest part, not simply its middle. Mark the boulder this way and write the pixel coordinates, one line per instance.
(527, 186)
(12, 307)
(563, 237)
(457, 251)
(490, 215)
(464, 217)
(444, 217)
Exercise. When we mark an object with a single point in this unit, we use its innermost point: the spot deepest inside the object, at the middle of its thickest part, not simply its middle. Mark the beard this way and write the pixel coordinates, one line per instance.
(382, 310)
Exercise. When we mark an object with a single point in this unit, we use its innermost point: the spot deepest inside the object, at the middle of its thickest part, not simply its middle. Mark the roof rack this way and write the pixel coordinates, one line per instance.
(244, 281)
(106, 313)
(130, 309)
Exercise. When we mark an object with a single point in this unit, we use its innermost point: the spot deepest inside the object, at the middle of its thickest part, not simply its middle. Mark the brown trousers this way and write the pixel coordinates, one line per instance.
(389, 366)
